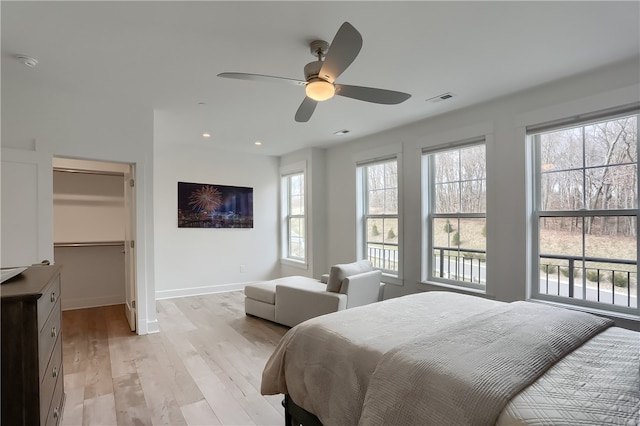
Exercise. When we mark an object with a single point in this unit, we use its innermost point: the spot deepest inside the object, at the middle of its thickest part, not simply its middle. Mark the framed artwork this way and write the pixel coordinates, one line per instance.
(203, 205)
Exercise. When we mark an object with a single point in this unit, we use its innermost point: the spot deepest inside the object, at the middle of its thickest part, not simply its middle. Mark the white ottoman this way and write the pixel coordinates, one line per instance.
(260, 300)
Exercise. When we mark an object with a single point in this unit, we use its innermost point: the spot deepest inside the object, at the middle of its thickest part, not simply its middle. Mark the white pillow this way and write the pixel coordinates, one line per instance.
(341, 271)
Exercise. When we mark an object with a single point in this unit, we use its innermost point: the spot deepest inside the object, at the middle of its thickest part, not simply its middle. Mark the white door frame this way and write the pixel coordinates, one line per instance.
(130, 248)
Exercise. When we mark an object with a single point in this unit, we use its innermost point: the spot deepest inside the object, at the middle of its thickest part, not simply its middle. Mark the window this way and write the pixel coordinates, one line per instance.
(380, 225)
(455, 206)
(585, 213)
(294, 227)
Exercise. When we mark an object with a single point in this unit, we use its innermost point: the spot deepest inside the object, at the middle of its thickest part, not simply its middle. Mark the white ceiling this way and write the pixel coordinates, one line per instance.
(166, 55)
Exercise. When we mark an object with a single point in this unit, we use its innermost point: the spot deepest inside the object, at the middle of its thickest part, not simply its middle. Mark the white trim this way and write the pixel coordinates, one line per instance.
(601, 101)
(532, 230)
(453, 137)
(391, 279)
(295, 263)
(362, 158)
(293, 168)
(152, 327)
(197, 291)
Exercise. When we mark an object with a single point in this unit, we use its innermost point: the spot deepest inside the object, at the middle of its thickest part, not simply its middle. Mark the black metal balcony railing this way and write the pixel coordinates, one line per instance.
(603, 284)
(560, 280)
(382, 257)
(454, 264)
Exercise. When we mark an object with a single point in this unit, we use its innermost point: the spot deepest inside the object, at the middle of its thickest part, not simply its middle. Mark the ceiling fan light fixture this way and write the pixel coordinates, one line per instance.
(320, 90)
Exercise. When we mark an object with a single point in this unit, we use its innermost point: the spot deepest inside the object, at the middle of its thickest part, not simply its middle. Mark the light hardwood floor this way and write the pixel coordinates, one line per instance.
(203, 368)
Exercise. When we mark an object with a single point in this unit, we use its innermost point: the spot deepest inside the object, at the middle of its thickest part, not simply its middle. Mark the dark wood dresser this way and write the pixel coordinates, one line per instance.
(32, 379)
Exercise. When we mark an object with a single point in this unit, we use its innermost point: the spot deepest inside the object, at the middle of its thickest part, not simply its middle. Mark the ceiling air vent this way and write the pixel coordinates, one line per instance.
(440, 98)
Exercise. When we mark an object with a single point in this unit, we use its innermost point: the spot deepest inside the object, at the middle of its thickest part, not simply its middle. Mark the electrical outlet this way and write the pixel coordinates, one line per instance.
(241, 268)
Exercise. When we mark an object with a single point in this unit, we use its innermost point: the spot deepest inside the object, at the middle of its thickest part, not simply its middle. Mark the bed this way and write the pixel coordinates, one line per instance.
(445, 358)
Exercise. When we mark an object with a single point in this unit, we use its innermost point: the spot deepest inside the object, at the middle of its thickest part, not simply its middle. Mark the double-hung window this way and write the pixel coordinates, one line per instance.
(294, 222)
(585, 211)
(454, 202)
(380, 231)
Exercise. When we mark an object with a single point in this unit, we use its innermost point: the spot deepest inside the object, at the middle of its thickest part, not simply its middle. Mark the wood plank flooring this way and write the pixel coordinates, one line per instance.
(203, 368)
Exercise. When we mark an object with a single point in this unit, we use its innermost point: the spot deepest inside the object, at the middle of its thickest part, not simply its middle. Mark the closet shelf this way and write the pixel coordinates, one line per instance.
(90, 244)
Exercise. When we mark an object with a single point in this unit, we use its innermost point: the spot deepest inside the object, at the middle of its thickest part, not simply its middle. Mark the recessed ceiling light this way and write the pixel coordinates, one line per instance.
(257, 143)
(341, 132)
(206, 135)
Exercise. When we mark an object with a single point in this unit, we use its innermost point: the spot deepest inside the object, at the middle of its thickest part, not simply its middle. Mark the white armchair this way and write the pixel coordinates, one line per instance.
(297, 303)
(292, 300)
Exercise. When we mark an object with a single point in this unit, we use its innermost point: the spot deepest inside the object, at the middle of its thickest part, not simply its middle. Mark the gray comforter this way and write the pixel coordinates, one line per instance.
(425, 359)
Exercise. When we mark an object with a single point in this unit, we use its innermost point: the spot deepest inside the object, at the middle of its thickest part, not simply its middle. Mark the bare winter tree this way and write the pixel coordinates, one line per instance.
(592, 167)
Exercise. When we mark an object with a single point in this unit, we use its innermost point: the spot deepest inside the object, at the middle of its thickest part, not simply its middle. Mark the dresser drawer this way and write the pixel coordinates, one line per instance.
(48, 301)
(47, 338)
(52, 374)
(30, 332)
(57, 404)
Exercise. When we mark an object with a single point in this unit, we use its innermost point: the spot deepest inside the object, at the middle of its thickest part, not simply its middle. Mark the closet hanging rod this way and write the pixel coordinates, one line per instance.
(88, 172)
(91, 244)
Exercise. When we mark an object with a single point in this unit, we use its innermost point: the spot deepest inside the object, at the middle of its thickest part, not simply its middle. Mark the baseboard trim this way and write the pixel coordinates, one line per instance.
(70, 304)
(152, 327)
(197, 291)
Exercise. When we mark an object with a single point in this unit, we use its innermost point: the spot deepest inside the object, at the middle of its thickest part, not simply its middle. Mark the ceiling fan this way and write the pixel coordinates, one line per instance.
(320, 75)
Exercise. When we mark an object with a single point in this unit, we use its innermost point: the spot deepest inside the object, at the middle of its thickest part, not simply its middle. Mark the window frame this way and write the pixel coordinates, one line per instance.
(536, 213)
(429, 214)
(363, 160)
(286, 174)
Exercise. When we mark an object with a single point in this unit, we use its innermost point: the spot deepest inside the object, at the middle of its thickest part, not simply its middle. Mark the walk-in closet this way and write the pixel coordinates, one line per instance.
(89, 231)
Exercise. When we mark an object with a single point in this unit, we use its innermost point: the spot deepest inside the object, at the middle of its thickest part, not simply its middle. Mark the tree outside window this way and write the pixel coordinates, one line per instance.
(586, 192)
(380, 195)
(456, 215)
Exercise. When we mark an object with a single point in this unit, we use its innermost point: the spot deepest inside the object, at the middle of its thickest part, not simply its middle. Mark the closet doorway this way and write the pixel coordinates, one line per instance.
(93, 233)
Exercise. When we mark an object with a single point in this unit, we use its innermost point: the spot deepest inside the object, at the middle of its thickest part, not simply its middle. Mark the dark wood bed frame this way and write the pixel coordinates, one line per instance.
(294, 415)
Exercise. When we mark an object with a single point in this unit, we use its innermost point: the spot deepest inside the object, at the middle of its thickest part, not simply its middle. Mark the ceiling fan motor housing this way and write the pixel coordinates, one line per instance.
(312, 69)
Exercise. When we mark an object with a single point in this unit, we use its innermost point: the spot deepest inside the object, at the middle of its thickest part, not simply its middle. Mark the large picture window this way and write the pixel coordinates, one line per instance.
(381, 233)
(586, 213)
(455, 203)
(294, 218)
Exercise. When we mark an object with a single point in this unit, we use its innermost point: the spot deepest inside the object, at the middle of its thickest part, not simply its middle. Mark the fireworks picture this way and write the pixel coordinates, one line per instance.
(214, 206)
(205, 199)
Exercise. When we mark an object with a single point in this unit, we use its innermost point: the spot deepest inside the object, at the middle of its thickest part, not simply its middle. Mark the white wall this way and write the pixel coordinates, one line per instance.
(73, 125)
(502, 122)
(87, 208)
(196, 261)
(91, 276)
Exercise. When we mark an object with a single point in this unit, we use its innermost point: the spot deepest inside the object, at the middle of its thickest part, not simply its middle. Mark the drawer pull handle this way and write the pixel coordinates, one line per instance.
(53, 297)
(54, 332)
(54, 372)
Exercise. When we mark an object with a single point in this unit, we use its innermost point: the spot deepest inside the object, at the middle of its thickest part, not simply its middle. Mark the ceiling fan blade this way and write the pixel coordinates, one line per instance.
(260, 77)
(305, 110)
(370, 94)
(343, 50)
